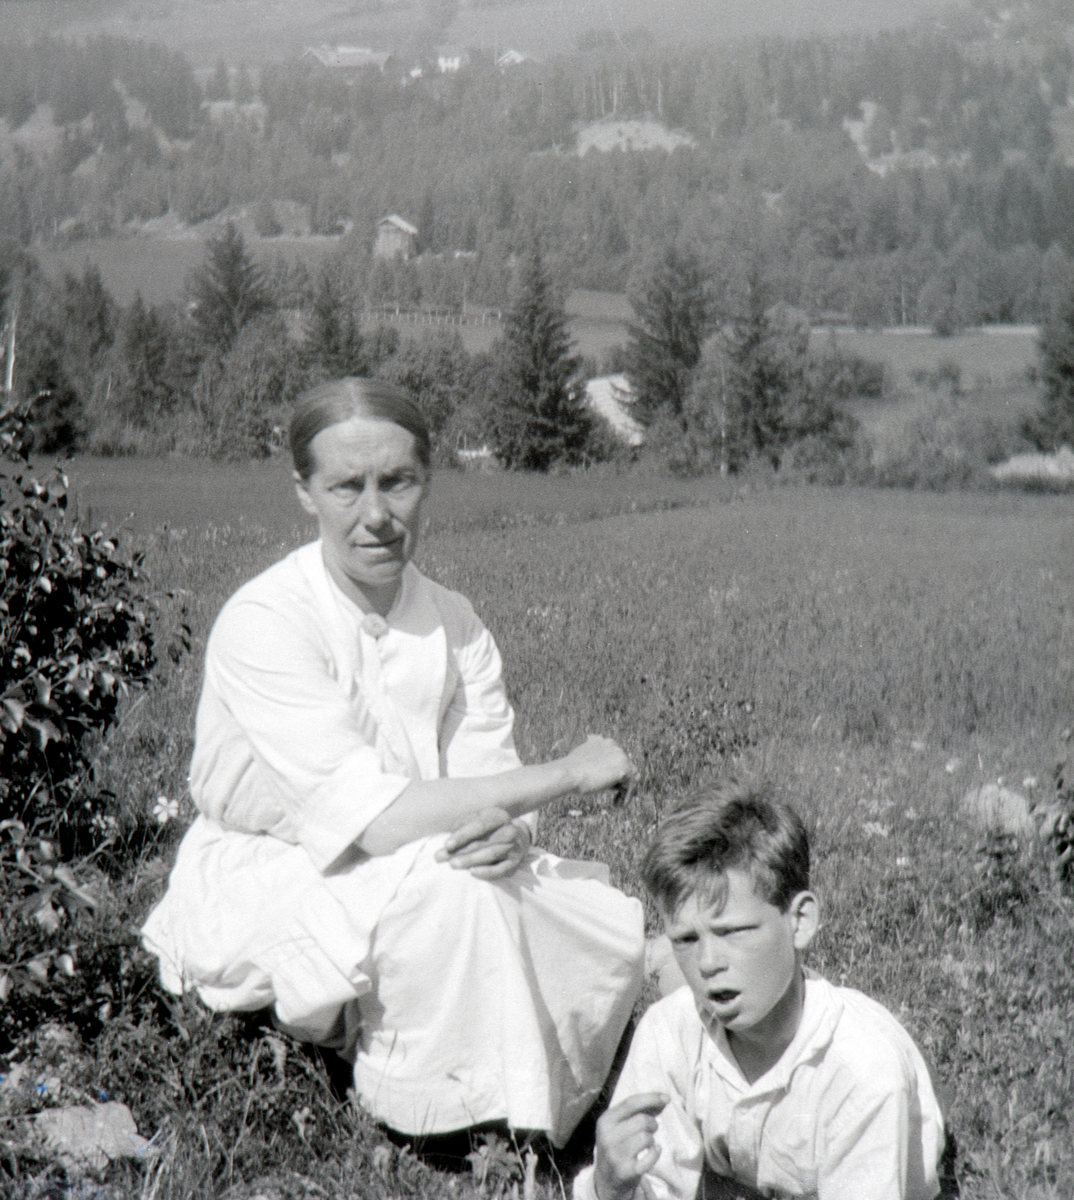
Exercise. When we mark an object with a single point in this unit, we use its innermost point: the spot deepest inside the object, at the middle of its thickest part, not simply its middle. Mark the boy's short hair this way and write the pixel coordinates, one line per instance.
(729, 825)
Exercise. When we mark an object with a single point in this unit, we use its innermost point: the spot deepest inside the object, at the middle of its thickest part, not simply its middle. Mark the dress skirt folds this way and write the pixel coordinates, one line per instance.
(459, 1000)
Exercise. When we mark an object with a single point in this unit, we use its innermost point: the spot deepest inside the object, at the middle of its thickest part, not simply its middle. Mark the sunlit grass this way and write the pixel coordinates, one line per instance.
(876, 654)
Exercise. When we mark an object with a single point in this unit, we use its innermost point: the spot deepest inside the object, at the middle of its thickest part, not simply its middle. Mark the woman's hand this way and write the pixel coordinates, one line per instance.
(490, 845)
(598, 763)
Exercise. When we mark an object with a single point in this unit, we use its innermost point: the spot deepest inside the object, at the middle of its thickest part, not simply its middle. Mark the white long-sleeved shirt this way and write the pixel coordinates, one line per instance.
(847, 1113)
(310, 725)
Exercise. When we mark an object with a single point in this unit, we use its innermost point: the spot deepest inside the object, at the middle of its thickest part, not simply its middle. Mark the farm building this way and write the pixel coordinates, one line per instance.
(395, 238)
(611, 397)
(450, 61)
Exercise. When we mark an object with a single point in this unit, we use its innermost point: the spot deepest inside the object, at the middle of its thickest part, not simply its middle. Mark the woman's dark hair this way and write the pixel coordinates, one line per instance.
(728, 825)
(338, 400)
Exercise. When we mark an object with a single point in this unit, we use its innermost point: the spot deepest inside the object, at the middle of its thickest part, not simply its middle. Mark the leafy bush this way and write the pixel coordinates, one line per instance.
(75, 636)
(949, 443)
(839, 375)
(945, 374)
(243, 399)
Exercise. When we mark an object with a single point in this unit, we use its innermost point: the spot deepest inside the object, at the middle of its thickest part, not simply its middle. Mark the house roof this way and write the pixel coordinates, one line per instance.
(395, 220)
(513, 58)
(610, 396)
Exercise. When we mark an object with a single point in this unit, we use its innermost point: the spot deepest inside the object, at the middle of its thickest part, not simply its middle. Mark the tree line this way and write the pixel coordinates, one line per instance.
(722, 370)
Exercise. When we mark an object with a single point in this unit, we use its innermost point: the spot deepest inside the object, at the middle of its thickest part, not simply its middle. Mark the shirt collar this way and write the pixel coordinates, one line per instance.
(821, 1009)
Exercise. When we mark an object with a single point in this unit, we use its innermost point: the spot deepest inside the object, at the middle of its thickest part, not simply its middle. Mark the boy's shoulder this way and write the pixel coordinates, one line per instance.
(869, 1046)
(671, 1026)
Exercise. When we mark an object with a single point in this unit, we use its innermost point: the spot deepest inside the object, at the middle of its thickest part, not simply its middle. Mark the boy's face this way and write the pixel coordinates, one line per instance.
(741, 958)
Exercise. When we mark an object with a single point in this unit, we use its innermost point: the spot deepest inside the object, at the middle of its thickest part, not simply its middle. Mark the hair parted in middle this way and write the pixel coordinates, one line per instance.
(728, 825)
(338, 400)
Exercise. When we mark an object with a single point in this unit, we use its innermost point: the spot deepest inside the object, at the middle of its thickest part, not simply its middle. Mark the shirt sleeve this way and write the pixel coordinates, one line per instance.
(659, 1061)
(280, 744)
(477, 731)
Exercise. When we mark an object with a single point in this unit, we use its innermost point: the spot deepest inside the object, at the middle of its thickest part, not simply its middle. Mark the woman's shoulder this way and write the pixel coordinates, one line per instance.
(285, 591)
(454, 607)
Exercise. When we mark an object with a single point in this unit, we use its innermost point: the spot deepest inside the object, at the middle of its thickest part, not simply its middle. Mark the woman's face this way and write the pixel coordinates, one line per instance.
(366, 492)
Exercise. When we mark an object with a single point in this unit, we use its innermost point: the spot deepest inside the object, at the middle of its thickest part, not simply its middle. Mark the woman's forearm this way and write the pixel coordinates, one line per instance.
(433, 806)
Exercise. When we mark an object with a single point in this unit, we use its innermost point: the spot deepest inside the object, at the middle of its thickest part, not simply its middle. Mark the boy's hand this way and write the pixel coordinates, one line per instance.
(626, 1148)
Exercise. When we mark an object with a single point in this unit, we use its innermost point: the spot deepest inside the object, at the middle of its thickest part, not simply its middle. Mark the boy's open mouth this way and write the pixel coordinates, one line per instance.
(724, 996)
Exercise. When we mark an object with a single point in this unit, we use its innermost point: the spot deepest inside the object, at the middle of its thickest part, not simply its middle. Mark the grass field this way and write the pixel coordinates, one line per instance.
(875, 653)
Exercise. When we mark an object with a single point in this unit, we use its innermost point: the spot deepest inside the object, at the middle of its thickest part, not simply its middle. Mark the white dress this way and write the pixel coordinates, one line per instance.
(468, 1000)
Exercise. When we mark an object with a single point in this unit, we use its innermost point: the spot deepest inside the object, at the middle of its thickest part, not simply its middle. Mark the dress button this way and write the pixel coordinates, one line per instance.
(374, 624)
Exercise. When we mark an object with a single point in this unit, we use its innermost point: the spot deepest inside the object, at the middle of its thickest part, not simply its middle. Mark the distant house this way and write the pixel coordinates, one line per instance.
(451, 62)
(611, 397)
(513, 58)
(347, 57)
(395, 238)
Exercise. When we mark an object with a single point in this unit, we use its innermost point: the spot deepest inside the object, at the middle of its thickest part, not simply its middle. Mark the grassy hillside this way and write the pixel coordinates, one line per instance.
(877, 654)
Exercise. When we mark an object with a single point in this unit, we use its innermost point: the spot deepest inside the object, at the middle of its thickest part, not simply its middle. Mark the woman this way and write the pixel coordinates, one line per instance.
(362, 860)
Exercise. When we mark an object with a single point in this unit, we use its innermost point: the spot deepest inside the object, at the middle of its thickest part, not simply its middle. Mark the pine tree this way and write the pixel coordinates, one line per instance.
(228, 290)
(758, 379)
(334, 344)
(671, 320)
(142, 390)
(538, 411)
(1054, 425)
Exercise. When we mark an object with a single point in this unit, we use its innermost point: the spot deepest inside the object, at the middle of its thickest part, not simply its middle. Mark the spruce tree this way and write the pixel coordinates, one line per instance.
(334, 344)
(538, 413)
(671, 320)
(1054, 426)
(142, 389)
(228, 290)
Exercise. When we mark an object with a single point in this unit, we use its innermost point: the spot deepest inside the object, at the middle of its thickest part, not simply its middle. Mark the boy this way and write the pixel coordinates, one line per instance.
(759, 1074)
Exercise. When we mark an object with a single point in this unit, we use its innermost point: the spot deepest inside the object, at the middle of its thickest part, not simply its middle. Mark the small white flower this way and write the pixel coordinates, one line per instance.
(164, 810)
(911, 814)
(902, 862)
(1030, 782)
(952, 765)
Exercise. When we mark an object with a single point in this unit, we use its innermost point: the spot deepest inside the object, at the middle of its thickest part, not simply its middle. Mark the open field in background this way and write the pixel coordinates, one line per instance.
(257, 31)
(876, 653)
(988, 357)
(141, 495)
(157, 268)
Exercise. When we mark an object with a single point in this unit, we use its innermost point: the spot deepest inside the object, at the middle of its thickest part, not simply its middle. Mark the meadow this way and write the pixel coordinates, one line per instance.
(875, 653)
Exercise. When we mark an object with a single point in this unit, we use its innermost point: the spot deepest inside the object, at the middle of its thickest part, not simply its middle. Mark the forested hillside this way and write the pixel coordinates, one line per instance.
(919, 176)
